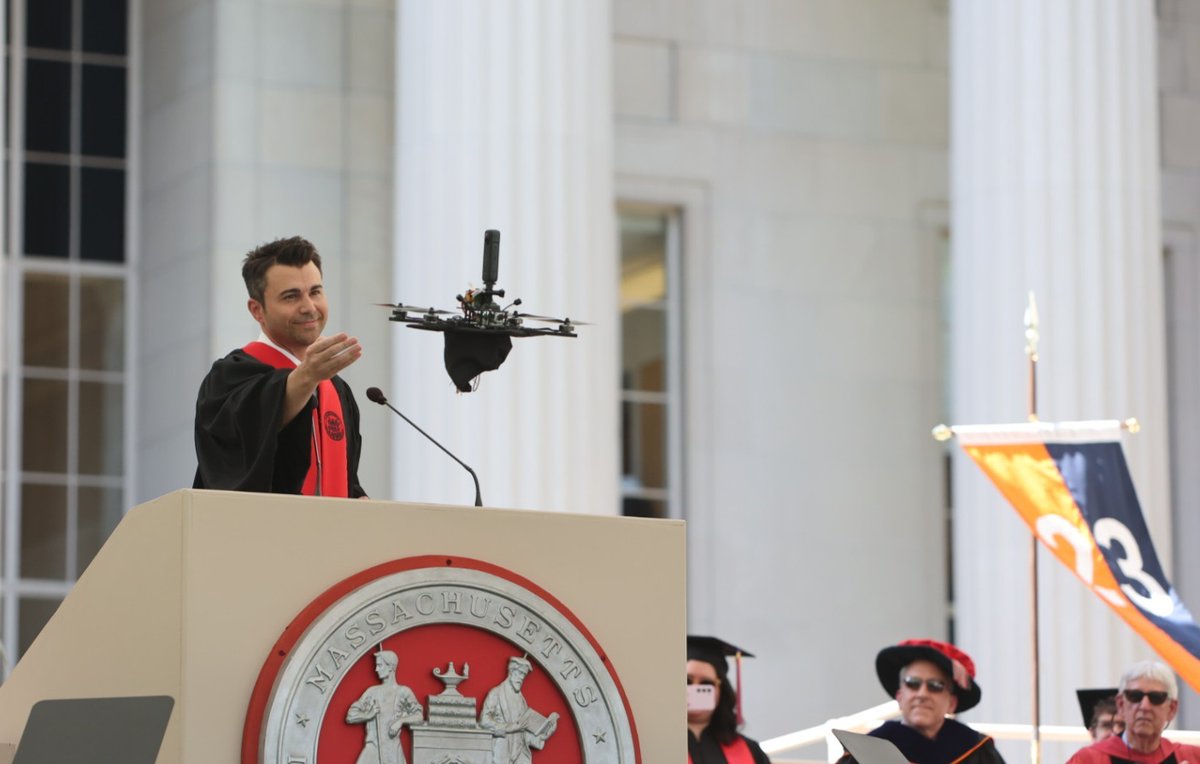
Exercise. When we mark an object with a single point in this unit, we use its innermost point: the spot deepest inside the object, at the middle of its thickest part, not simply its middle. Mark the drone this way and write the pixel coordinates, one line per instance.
(478, 334)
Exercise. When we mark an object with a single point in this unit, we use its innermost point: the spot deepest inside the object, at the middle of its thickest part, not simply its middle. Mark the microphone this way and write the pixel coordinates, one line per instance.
(375, 395)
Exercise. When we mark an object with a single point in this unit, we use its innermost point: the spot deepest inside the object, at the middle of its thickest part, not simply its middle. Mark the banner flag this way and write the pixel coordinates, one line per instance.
(1070, 484)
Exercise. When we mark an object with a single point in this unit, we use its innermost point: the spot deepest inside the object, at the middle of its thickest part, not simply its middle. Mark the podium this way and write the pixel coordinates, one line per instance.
(213, 598)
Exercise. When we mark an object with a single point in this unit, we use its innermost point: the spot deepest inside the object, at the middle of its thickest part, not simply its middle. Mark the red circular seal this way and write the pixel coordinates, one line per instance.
(333, 426)
(430, 659)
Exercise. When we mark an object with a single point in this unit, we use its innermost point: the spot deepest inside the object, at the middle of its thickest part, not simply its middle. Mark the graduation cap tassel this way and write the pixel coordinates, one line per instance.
(737, 660)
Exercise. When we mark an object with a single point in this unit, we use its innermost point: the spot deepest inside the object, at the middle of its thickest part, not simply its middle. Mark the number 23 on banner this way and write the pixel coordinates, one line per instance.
(1151, 597)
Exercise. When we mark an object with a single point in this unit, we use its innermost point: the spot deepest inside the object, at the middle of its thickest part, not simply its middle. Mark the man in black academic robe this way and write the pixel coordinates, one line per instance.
(931, 680)
(267, 412)
(239, 444)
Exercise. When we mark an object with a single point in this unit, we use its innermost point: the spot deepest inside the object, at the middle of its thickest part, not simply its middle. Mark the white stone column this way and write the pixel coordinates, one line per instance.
(1055, 190)
(503, 120)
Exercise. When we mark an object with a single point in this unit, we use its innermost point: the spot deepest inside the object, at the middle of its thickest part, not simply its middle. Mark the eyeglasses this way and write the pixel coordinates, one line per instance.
(914, 683)
(708, 682)
(1157, 698)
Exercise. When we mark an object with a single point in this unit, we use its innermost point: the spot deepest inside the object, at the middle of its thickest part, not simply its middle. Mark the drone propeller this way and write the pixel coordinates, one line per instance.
(415, 309)
(551, 319)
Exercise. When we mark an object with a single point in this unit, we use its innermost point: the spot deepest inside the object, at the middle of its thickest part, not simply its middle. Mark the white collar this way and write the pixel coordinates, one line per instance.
(263, 338)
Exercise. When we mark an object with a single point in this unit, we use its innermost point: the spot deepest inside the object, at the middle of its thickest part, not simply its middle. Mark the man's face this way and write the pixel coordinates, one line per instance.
(293, 311)
(1103, 726)
(516, 677)
(925, 709)
(382, 668)
(1143, 719)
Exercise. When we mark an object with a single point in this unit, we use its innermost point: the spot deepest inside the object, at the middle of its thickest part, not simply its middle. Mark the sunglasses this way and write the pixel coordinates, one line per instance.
(914, 683)
(1157, 698)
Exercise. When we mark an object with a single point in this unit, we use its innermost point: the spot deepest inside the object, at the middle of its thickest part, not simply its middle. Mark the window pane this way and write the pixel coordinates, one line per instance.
(100, 510)
(43, 531)
(102, 324)
(644, 445)
(47, 196)
(48, 24)
(46, 317)
(102, 214)
(44, 426)
(643, 258)
(103, 110)
(644, 349)
(104, 25)
(48, 109)
(101, 444)
(32, 615)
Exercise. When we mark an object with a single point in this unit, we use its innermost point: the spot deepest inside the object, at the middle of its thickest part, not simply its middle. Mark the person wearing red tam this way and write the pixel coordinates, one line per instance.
(931, 680)
(713, 711)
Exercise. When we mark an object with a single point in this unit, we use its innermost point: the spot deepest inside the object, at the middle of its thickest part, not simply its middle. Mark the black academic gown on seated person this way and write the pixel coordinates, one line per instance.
(706, 750)
(239, 446)
(955, 742)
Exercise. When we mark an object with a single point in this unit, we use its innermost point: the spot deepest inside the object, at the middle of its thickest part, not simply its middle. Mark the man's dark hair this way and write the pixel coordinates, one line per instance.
(723, 724)
(295, 251)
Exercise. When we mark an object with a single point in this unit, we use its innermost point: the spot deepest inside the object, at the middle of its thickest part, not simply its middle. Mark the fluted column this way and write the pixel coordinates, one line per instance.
(1055, 189)
(503, 120)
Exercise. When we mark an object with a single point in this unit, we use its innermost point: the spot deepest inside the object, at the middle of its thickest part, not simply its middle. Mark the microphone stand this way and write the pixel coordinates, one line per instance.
(375, 395)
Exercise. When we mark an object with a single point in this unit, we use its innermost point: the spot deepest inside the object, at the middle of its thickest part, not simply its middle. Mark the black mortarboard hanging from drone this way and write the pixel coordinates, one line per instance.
(479, 339)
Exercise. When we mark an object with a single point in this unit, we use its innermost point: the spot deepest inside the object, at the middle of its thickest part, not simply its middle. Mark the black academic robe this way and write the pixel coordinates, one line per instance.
(239, 446)
(706, 749)
(955, 742)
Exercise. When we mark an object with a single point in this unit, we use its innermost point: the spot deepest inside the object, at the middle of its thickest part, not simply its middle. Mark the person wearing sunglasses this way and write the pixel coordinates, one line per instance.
(931, 680)
(1147, 701)
(713, 713)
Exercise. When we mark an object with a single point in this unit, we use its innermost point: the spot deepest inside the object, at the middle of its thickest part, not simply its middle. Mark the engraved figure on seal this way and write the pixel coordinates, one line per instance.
(514, 725)
(384, 709)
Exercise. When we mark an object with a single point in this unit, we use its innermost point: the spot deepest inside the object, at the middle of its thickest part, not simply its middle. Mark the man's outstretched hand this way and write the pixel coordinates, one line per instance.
(327, 357)
(323, 359)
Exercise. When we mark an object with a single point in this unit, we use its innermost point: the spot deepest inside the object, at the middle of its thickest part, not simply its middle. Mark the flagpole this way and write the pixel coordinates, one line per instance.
(1031, 352)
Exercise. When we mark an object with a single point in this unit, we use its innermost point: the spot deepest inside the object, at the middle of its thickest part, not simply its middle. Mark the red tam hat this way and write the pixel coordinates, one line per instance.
(892, 660)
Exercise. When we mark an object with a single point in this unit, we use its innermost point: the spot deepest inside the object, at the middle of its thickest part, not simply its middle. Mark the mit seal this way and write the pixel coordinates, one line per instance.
(436, 660)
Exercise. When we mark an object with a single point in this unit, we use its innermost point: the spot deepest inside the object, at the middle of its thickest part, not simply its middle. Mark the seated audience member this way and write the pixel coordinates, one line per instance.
(712, 718)
(1099, 710)
(1147, 701)
(931, 680)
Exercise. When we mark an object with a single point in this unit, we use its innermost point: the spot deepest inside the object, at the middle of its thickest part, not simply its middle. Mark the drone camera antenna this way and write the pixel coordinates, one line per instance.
(491, 257)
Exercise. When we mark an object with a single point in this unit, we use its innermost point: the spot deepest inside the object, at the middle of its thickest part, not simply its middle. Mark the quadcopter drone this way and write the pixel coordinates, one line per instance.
(478, 335)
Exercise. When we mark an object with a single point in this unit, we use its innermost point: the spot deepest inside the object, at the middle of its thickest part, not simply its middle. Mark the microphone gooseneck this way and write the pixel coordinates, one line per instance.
(375, 395)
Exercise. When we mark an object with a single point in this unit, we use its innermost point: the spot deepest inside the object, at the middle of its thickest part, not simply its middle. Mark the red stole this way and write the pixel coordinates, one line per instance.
(736, 752)
(327, 462)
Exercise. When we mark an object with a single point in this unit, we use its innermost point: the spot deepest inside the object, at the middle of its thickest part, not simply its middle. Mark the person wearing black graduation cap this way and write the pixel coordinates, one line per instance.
(713, 719)
(1099, 709)
(274, 416)
(930, 680)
